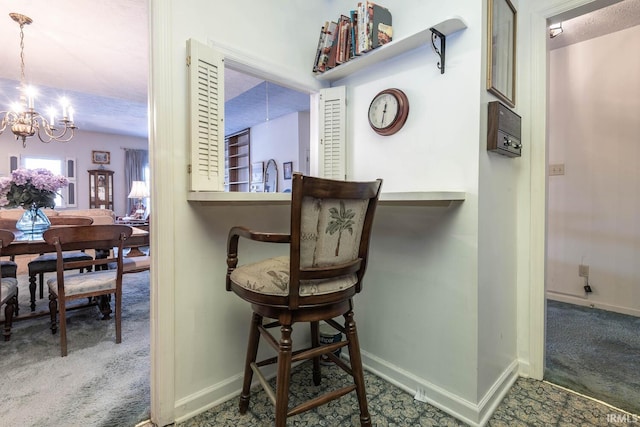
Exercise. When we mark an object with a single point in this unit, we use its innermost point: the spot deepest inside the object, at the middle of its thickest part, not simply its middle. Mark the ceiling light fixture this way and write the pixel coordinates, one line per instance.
(555, 30)
(22, 117)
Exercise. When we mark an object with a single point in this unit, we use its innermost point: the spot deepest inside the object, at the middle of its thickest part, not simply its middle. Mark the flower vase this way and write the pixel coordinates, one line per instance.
(33, 221)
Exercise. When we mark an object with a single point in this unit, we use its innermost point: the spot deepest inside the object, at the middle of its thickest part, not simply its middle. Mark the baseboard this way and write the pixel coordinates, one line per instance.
(475, 415)
(585, 302)
(216, 394)
(468, 412)
(497, 392)
(207, 398)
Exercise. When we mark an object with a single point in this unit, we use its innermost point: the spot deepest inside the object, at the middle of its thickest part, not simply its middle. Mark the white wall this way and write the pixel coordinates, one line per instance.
(420, 316)
(79, 147)
(283, 139)
(594, 207)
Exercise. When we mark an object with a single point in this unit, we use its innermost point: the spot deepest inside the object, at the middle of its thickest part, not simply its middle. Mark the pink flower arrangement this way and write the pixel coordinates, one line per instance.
(31, 188)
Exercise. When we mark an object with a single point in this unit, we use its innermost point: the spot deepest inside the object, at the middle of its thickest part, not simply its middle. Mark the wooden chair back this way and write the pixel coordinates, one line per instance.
(7, 224)
(70, 220)
(6, 237)
(339, 215)
(104, 237)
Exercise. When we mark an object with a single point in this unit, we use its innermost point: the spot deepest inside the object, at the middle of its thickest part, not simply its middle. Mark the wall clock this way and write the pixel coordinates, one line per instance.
(388, 111)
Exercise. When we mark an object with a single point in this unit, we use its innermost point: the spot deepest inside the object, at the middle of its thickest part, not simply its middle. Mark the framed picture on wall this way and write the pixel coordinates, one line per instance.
(287, 169)
(101, 157)
(501, 51)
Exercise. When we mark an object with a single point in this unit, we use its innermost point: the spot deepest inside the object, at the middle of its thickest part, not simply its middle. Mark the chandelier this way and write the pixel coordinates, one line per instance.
(22, 118)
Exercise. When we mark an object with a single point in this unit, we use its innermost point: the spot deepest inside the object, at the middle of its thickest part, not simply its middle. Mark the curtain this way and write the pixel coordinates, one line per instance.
(135, 162)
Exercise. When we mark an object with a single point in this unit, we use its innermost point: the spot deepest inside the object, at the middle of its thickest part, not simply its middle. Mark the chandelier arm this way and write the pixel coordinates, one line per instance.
(49, 131)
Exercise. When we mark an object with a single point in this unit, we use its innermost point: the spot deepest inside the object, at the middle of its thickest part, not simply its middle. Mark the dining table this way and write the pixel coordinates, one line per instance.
(30, 244)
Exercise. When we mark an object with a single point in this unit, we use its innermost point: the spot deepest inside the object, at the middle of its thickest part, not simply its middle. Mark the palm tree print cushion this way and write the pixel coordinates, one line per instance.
(331, 231)
(271, 277)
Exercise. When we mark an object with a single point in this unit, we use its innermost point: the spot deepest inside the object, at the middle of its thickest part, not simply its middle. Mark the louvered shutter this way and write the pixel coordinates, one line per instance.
(206, 99)
(333, 162)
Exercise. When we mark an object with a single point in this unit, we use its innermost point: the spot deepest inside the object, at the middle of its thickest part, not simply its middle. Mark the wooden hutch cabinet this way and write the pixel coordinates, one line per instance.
(101, 189)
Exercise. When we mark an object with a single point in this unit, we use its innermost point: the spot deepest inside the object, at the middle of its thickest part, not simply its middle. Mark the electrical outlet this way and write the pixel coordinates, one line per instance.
(583, 270)
(557, 169)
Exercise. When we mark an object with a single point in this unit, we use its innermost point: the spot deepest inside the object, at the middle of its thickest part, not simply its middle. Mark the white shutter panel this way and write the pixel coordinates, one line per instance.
(206, 99)
(333, 162)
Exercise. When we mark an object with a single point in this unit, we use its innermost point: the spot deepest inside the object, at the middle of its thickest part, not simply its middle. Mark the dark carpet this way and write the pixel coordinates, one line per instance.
(594, 352)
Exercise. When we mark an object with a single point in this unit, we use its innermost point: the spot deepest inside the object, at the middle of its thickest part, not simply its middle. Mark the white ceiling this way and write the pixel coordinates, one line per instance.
(581, 25)
(96, 53)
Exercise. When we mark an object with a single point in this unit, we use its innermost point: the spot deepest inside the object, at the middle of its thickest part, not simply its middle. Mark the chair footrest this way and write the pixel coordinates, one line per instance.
(263, 381)
(320, 400)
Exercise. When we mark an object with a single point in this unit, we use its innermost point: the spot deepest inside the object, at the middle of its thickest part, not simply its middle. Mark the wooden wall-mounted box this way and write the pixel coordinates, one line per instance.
(503, 130)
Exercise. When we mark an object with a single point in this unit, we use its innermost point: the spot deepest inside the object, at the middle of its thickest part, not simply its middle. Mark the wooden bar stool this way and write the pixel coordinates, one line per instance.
(328, 246)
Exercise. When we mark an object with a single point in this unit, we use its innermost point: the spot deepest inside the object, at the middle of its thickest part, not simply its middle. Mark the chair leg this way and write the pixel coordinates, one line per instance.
(284, 374)
(118, 304)
(356, 368)
(9, 309)
(53, 311)
(252, 353)
(32, 291)
(63, 328)
(315, 342)
(41, 284)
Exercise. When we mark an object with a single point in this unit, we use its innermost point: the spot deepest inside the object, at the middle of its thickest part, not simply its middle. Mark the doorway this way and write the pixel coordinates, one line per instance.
(590, 237)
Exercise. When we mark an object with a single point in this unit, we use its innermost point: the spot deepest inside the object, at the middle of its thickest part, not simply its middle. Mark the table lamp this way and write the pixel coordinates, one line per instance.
(139, 191)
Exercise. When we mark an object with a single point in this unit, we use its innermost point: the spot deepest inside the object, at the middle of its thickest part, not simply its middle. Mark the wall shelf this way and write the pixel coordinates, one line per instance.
(408, 198)
(392, 49)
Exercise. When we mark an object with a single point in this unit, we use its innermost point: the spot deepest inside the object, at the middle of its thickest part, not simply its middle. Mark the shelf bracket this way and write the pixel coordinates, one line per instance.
(435, 34)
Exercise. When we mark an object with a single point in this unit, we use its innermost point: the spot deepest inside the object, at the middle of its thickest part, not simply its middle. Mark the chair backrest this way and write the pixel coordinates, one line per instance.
(70, 220)
(105, 237)
(6, 237)
(331, 224)
(7, 223)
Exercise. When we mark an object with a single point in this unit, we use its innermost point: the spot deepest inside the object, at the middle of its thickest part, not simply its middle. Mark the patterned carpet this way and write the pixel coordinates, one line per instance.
(528, 403)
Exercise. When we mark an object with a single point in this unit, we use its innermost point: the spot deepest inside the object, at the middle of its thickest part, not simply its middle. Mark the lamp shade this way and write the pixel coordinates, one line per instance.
(139, 190)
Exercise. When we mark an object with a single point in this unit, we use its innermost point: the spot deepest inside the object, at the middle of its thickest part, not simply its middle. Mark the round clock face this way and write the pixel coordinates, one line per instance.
(388, 111)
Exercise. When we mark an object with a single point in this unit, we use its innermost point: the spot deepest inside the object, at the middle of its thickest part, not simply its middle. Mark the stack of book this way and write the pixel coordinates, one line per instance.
(367, 27)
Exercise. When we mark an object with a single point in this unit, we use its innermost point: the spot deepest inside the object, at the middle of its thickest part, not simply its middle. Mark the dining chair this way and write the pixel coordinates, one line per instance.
(8, 267)
(66, 286)
(46, 263)
(8, 289)
(328, 246)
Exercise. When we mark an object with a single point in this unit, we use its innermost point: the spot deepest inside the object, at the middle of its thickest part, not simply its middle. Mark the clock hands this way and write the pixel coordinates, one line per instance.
(384, 110)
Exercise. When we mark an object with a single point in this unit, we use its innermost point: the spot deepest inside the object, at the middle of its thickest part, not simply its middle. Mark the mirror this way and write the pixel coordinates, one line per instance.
(271, 177)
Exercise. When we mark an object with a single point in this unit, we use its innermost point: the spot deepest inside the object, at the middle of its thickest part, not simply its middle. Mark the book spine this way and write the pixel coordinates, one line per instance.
(354, 31)
(362, 28)
(321, 39)
(330, 33)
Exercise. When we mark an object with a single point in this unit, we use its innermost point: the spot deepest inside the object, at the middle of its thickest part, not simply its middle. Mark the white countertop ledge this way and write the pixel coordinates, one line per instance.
(402, 198)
